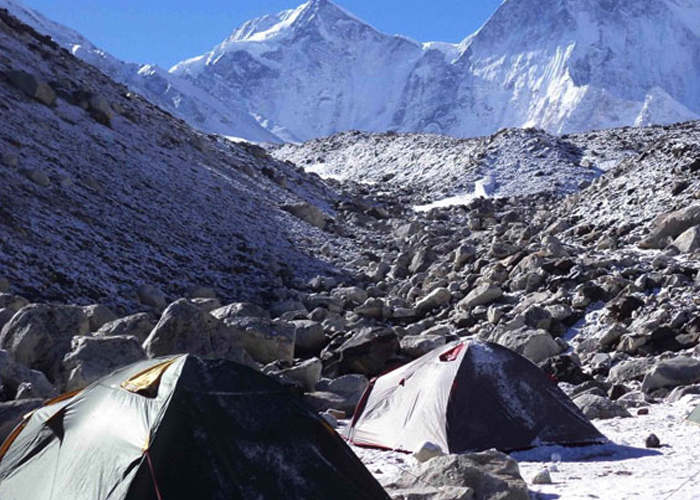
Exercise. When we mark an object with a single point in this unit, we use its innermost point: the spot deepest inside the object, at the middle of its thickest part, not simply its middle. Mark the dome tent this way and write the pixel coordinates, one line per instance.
(180, 428)
(468, 396)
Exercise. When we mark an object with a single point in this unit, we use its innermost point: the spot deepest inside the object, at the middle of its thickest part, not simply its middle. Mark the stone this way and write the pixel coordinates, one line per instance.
(538, 318)
(351, 387)
(564, 369)
(367, 352)
(308, 213)
(324, 401)
(305, 374)
(310, 338)
(652, 441)
(670, 225)
(32, 86)
(266, 341)
(599, 407)
(439, 297)
(490, 475)
(535, 345)
(688, 241)
(4, 285)
(137, 325)
(206, 304)
(184, 328)
(542, 477)
(463, 255)
(99, 315)
(12, 302)
(352, 294)
(37, 176)
(372, 308)
(91, 358)
(626, 371)
(416, 346)
(240, 310)
(13, 375)
(422, 260)
(481, 295)
(39, 335)
(672, 373)
(99, 109)
(622, 308)
(151, 296)
(426, 451)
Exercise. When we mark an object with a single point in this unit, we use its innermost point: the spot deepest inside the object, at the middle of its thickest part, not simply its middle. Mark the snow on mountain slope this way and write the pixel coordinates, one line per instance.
(90, 210)
(561, 65)
(173, 94)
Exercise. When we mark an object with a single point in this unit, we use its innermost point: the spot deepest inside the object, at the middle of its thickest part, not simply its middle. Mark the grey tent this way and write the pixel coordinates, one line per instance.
(468, 396)
(180, 428)
(694, 417)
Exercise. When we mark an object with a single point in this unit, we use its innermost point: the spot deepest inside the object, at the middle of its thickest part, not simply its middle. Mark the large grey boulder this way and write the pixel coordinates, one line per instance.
(688, 241)
(266, 341)
(185, 328)
(137, 325)
(594, 406)
(349, 387)
(367, 352)
(535, 345)
(305, 374)
(671, 225)
(416, 346)
(308, 213)
(240, 310)
(91, 358)
(33, 86)
(151, 296)
(98, 315)
(437, 298)
(481, 295)
(39, 335)
(633, 369)
(490, 475)
(672, 373)
(310, 338)
(13, 375)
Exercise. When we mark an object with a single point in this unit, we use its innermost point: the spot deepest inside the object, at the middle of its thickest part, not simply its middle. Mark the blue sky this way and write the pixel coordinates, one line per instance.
(168, 31)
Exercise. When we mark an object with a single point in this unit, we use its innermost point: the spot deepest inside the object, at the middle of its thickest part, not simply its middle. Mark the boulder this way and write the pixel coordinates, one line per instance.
(307, 212)
(490, 475)
(33, 87)
(372, 308)
(535, 345)
(481, 295)
(463, 255)
(305, 374)
(595, 406)
(310, 338)
(323, 401)
(151, 296)
(350, 387)
(688, 241)
(266, 341)
(137, 325)
(351, 294)
(633, 369)
(426, 451)
(439, 297)
(672, 373)
(39, 335)
(367, 352)
(13, 375)
(416, 346)
(91, 358)
(623, 307)
(671, 225)
(185, 328)
(12, 302)
(240, 310)
(98, 315)
(37, 176)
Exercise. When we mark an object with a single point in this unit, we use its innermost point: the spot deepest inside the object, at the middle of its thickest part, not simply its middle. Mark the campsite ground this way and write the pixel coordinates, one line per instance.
(623, 469)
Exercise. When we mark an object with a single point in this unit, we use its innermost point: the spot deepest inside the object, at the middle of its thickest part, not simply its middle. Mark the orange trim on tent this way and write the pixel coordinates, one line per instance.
(146, 381)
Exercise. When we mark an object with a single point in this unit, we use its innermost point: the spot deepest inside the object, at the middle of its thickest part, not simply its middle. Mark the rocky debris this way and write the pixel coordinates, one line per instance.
(672, 373)
(265, 340)
(185, 328)
(671, 225)
(416, 346)
(437, 298)
(91, 358)
(426, 451)
(652, 441)
(95, 104)
(137, 325)
(367, 352)
(32, 86)
(535, 345)
(490, 475)
(39, 335)
(595, 406)
(14, 375)
(481, 295)
(98, 315)
(305, 374)
(308, 213)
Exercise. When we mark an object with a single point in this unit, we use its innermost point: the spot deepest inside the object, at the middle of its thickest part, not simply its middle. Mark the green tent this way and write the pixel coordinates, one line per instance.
(695, 416)
(180, 428)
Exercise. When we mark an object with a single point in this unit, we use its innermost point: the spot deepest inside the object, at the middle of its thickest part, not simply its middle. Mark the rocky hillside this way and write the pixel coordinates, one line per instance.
(103, 192)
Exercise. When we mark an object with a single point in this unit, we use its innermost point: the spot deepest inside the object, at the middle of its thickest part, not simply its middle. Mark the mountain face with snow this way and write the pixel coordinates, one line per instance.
(562, 65)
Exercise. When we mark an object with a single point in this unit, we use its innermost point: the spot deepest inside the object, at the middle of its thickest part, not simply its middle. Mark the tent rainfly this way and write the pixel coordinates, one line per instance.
(694, 417)
(180, 428)
(468, 396)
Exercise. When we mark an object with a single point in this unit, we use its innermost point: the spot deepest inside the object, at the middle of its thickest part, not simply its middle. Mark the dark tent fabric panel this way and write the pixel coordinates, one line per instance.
(189, 429)
(501, 400)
